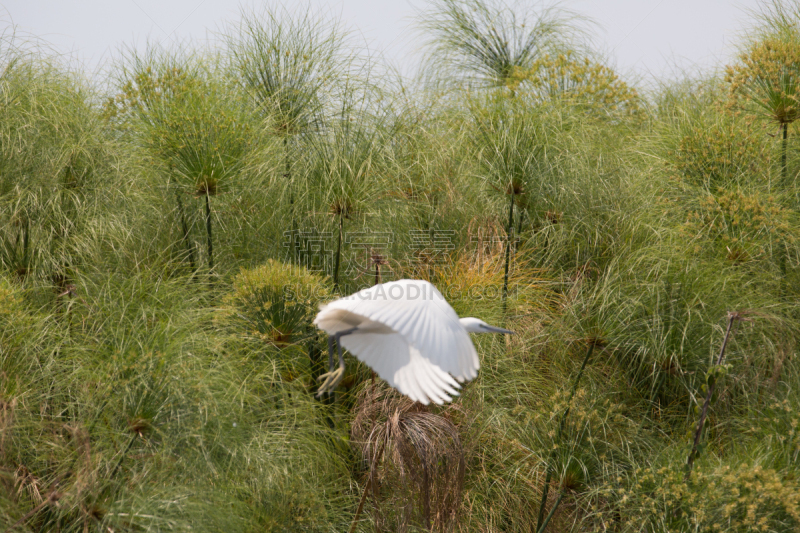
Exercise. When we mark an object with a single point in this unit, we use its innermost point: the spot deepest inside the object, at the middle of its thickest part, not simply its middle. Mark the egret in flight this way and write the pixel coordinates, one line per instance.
(407, 333)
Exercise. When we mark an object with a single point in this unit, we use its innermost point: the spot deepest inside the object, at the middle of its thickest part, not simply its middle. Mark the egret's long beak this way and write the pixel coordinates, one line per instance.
(493, 329)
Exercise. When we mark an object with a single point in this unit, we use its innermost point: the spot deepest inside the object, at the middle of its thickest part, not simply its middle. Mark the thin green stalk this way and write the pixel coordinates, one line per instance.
(122, 458)
(432, 237)
(784, 175)
(331, 396)
(510, 236)
(26, 241)
(185, 228)
(367, 487)
(18, 259)
(116, 467)
(699, 431)
(784, 142)
(378, 262)
(288, 176)
(210, 241)
(51, 498)
(540, 523)
(314, 353)
(552, 511)
(338, 255)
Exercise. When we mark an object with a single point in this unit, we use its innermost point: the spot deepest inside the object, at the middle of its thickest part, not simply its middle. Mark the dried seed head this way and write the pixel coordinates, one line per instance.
(415, 453)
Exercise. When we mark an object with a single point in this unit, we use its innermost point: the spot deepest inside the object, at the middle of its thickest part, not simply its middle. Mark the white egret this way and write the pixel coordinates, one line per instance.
(407, 333)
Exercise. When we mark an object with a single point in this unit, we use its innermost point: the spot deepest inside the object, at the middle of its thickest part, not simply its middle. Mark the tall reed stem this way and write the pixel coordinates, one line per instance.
(699, 431)
(510, 237)
(288, 176)
(552, 512)
(26, 246)
(51, 498)
(116, 468)
(784, 143)
(122, 457)
(331, 396)
(540, 523)
(784, 179)
(520, 216)
(185, 228)
(338, 255)
(210, 241)
(367, 486)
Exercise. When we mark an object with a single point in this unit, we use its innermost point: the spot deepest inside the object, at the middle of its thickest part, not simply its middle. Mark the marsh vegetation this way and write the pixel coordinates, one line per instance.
(168, 232)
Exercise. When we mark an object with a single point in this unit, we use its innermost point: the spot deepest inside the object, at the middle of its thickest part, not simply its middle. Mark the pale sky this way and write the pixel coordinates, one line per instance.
(645, 38)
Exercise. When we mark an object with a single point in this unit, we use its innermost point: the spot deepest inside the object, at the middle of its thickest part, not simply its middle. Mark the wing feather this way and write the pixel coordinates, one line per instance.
(435, 391)
(402, 366)
(444, 380)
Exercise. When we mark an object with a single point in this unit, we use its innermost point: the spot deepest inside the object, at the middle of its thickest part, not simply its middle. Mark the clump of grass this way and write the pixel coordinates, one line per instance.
(721, 496)
(276, 302)
(51, 176)
(345, 178)
(587, 83)
(512, 148)
(541, 522)
(296, 68)
(156, 400)
(487, 44)
(414, 457)
(765, 82)
(190, 122)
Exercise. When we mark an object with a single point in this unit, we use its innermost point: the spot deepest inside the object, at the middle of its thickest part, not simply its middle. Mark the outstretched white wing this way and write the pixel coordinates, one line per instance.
(402, 366)
(415, 310)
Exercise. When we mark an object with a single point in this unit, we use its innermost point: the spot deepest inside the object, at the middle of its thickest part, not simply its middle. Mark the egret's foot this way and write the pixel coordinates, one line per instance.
(332, 379)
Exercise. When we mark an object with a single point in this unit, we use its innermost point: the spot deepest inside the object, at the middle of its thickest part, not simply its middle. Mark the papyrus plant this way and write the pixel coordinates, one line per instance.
(288, 64)
(190, 120)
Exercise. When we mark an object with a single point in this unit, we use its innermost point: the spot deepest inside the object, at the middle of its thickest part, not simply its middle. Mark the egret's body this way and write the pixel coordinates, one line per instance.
(408, 334)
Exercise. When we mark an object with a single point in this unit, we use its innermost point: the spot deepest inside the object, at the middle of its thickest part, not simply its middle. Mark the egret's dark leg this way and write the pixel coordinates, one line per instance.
(330, 353)
(339, 344)
(333, 377)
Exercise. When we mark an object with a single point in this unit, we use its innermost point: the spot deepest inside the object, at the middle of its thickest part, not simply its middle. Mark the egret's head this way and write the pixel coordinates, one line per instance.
(475, 325)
